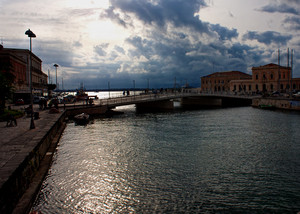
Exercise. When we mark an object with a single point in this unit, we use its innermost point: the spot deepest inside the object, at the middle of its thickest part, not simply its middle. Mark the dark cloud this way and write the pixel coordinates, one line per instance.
(159, 13)
(111, 14)
(224, 33)
(100, 49)
(119, 49)
(268, 37)
(292, 23)
(283, 8)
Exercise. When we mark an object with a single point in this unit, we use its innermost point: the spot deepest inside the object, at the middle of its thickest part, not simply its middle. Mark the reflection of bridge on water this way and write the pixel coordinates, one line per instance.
(190, 100)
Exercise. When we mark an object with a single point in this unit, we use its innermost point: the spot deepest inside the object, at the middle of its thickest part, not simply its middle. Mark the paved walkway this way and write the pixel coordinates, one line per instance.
(16, 142)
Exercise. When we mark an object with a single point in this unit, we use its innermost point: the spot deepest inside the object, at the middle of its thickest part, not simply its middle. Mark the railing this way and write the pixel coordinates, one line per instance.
(140, 98)
(132, 99)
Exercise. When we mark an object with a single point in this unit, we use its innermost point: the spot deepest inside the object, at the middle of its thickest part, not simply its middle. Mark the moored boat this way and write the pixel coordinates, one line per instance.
(81, 119)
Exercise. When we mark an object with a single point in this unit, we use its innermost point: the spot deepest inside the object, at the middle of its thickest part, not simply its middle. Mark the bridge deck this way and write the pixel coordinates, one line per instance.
(143, 98)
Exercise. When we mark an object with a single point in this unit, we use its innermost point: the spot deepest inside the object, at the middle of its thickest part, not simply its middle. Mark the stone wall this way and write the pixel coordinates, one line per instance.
(277, 103)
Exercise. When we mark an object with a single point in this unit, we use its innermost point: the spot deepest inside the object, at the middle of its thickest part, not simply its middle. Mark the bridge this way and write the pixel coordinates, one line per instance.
(159, 101)
(165, 100)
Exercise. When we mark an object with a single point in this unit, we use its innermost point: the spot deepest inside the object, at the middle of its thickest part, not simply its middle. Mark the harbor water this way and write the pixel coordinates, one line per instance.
(232, 160)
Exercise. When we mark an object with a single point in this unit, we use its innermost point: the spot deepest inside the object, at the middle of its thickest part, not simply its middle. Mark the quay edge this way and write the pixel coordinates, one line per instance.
(277, 103)
(21, 184)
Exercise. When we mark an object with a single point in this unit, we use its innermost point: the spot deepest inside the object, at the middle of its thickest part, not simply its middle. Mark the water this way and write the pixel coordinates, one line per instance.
(233, 160)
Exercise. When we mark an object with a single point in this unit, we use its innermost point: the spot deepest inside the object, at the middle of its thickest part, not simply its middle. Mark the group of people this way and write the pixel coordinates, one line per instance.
(127, 93)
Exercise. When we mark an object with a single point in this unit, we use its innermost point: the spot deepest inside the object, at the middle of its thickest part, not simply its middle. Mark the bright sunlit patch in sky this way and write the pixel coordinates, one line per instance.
(156, 40)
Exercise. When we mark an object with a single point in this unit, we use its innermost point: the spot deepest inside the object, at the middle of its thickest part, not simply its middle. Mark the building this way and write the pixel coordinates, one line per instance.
(265, 79)
(272, 77)
(220, 81)
(16, 61)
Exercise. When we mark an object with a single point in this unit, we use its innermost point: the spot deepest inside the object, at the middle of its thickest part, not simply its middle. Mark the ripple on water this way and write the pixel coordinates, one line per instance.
(222, 160)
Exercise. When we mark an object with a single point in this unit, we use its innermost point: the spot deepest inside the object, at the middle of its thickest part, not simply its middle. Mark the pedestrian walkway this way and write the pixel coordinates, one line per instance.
(17, 142)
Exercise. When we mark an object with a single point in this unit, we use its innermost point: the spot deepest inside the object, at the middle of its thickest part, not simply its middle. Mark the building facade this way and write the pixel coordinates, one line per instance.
(17, 62)
(265, 79)
(220, 81)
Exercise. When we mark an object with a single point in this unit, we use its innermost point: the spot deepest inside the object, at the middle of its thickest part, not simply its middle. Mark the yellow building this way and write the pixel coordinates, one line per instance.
(265, 79)
(220, 81)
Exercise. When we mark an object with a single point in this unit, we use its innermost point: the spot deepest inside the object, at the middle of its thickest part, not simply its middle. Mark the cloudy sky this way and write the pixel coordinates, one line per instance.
(155, 41)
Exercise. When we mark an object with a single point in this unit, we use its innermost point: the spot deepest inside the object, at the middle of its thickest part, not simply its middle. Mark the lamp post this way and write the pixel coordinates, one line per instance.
(56, 65)
(134, 88)
(30, 34)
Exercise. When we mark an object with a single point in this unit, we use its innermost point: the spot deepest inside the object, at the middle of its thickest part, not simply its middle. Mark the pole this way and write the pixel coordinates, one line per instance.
(56, 77)
(279, 76)
(133, 87)
(292, 55)
(32, 126)
(148, 84)
(108, 84)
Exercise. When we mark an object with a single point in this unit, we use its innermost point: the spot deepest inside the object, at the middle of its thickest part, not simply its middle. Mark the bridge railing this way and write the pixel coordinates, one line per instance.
(141, 97)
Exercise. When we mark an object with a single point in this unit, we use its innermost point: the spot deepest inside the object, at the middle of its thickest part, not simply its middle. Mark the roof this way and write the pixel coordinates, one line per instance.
(227, 73)
(270, 65)
(16, 51)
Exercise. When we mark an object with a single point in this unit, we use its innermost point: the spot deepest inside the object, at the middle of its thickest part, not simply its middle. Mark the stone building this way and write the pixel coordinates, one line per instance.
(219, 82)
(265, 79)
(17, 62)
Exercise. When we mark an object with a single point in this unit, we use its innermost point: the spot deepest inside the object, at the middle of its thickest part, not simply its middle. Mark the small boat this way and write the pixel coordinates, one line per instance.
(267, 106)
(80, 94)
(81, 119)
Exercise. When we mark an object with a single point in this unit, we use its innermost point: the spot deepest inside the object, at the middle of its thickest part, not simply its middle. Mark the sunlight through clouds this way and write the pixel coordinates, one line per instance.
(151, 39)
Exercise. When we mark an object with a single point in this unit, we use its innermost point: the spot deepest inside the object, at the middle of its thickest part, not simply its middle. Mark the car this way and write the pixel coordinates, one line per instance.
(20, 102)
(297, 95)
(275, 94)
(36, 99)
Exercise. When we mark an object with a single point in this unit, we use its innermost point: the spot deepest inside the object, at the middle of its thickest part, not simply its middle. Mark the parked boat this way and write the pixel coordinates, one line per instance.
(81, 119)
(267, 106)
(80, 94)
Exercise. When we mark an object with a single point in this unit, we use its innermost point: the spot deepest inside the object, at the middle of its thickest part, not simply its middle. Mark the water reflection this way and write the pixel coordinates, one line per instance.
(223, 160)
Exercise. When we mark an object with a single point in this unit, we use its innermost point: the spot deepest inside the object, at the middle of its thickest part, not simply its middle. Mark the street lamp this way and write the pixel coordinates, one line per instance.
(56, 65)
(30, 34)
(134, 88)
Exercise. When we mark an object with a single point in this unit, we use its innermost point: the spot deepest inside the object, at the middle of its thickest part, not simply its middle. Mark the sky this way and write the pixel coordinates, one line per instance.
(136, 43)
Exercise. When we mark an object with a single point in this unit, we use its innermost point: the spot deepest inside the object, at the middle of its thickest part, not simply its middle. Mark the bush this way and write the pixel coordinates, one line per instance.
(15, 113)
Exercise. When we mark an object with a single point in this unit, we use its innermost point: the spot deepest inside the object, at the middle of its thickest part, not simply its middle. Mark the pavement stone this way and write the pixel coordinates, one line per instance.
(18, 141)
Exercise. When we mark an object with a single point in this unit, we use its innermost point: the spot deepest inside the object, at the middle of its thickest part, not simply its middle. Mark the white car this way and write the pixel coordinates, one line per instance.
(297, 94)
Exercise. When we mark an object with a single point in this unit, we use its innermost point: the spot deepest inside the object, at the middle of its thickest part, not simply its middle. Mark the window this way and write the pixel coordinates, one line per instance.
(264, 76)
(256, 76)
(271, 76)
(249, 87)
(271, 87)
(256, 87)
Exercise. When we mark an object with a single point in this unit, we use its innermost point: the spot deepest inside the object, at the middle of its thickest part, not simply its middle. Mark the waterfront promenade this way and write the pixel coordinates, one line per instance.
(16, 147)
